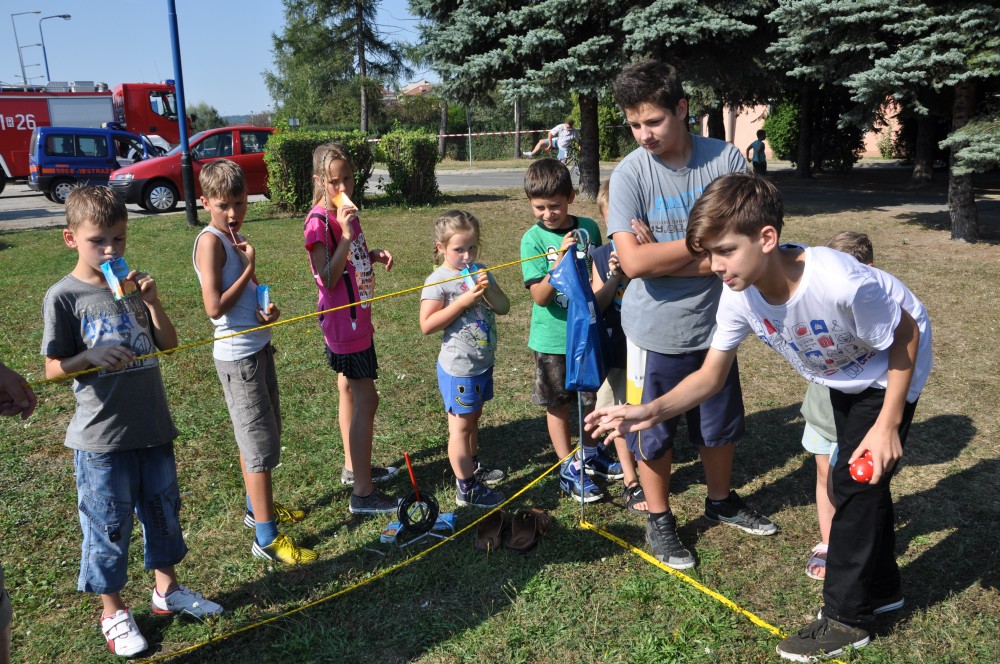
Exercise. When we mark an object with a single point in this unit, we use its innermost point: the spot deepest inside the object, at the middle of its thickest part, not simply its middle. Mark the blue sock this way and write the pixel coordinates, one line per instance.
(249, 506)
(465, 486)
(588, 451)
(266, 532)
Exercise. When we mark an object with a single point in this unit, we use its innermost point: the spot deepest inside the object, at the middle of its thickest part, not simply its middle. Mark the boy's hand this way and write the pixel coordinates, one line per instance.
(614, 267)
(344, 215)
(643, 233)
(248, 251)
(272, 314)
(619, 420)
(886, 449)
(382, 256)
(568, 244)
(15, 394)
(110, 357)
(147, 286)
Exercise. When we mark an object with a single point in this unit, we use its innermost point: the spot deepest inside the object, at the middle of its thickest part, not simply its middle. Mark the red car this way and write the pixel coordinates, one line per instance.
(156, 184)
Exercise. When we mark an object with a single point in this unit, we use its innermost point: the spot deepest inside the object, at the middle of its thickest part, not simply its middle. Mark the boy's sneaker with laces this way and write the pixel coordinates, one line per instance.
(122, 634)
(374, 503)
(184, 601)
(283, 515)
(578, 485)
(822, 639)
(661, 535)
(602, 465)
(489, 476)
(284, 550)
(379, 474)
(479, 495)
(734, 512)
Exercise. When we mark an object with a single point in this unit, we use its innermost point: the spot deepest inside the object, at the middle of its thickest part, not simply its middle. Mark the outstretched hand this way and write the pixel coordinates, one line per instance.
(619, 420)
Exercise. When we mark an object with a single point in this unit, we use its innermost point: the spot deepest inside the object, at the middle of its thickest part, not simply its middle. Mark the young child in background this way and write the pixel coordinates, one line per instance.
(756, 154)
(226, 267)
(464, 310)
(609, 282)
(550, 191)
(342, 267)
(121, 433)
(820, 434)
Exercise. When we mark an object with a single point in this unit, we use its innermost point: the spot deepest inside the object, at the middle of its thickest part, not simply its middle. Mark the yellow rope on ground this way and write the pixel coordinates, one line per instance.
(205, 342)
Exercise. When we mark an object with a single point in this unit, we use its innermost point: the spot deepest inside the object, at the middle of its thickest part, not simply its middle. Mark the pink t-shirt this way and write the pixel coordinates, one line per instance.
(347, 330)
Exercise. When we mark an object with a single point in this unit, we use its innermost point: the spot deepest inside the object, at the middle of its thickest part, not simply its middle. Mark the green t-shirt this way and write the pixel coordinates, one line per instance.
(548, 323)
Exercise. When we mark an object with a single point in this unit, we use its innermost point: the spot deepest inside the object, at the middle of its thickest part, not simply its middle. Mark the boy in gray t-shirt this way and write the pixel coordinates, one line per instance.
(121, 432)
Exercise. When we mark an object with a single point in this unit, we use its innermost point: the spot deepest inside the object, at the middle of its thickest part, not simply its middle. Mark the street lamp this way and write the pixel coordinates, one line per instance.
(17, 43)
(45, 56)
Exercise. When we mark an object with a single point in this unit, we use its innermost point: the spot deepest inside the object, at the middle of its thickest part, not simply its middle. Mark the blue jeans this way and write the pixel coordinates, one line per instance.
(110, 487)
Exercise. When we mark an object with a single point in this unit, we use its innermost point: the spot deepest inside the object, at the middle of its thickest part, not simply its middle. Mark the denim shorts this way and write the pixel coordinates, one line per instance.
(110, 487)
(465, 394)
(550, 383)
(719, 420)
(251, 389)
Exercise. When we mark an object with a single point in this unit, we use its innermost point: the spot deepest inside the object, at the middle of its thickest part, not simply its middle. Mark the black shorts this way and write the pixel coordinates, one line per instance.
(354, 366)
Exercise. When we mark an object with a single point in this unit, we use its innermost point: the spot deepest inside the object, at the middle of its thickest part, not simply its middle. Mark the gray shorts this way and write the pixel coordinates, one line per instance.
(251, 389)
(550, 383)
(6, 610)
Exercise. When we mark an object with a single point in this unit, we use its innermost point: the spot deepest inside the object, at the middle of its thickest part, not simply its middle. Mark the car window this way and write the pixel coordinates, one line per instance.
(91, 146)
(191, 141)
(217, 145)
(60, 145)
(253, 141)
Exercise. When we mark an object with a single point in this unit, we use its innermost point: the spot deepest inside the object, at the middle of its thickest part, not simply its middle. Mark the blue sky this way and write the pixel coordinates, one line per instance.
(225, 44)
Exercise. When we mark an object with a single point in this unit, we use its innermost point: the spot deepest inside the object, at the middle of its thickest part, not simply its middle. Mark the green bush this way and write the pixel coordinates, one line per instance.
(782, 127)
(288, 156)
(410, 157)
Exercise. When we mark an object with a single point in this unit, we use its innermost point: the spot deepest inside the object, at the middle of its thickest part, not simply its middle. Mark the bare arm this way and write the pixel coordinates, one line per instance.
(658, 259)
(16, 396)
(435, 316)
(210, 256)
(604, 291)
(495, 297)
(164, 334)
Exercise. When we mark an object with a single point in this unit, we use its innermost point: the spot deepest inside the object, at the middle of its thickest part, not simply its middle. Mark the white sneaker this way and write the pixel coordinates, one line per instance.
(122, 634)
(186, 602)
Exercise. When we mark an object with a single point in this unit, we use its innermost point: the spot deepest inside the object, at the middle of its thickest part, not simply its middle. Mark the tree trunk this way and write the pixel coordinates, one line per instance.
(442, 129)
(517, 127)
(803, 158)
(362, 65)
(716, 123)
(590, 165)
(923, 160)
(961, 198)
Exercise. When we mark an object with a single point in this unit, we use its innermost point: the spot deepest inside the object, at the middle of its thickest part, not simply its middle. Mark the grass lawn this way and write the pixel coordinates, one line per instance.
(577, 597)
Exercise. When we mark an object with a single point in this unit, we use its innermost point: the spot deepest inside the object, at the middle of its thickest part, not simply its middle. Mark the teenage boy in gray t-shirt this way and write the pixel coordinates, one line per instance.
(121, 432)
(668, 310)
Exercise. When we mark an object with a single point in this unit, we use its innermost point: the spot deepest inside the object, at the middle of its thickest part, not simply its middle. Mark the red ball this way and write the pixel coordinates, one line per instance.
(862, 468)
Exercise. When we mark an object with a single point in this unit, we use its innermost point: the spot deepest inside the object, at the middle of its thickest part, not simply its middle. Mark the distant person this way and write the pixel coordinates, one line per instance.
(856, 329)
(16, 398)
(465, 311)
(342, 269)
(226, 265)
(121, 432)
(561, 137)
(759, 158)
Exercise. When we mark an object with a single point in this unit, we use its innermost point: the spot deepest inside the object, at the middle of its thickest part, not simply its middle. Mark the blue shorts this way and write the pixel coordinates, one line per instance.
(718, 421)
(465, 394)
(110, 487)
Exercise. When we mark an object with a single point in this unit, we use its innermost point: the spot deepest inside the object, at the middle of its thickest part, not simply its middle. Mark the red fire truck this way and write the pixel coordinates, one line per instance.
(141, 108)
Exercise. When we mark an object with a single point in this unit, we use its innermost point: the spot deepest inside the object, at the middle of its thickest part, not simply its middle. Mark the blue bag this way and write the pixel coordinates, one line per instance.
(586, 333)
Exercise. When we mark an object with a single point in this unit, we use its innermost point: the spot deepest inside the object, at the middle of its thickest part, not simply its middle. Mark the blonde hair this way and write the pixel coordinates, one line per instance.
(322, 156)
(604, 195)
(450, 223)
(854, 244)
(94, 204)
(222, 179)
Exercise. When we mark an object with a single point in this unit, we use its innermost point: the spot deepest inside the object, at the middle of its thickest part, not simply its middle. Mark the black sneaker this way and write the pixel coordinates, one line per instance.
(734, 512)
(479, 495)
(489, 476)
(374, 503)
(661, 535)
(823, 638)
(379, 474)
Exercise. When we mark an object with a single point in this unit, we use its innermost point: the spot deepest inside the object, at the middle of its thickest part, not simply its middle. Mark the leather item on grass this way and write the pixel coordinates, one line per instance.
(527, 527)
(489, 532)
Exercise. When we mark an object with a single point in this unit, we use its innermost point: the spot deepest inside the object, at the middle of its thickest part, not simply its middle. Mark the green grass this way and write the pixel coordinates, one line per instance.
(577, 597)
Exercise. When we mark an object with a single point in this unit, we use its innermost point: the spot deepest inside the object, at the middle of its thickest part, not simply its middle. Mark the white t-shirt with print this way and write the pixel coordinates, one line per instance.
(837, 326)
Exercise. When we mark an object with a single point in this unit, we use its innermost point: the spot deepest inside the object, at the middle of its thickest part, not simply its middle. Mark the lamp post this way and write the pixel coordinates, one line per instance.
(17, 43)
(45, 56)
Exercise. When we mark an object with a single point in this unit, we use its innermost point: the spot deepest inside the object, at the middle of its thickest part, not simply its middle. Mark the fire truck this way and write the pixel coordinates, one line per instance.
(141, 108)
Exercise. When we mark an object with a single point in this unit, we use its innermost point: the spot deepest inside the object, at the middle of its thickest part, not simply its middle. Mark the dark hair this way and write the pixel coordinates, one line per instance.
(855, 244)
(94, 204)
(736, 203)
(649, 82)
(761, 134)
(546, 178)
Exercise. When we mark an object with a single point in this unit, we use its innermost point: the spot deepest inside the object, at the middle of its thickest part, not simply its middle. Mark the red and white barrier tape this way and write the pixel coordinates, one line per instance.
(482, 133)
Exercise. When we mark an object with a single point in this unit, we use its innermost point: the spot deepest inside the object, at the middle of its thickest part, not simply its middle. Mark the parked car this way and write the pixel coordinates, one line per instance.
(156, 184)
(59, 158)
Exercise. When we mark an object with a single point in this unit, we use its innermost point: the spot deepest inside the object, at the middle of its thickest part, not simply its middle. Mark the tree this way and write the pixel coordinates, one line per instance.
(528, 52)
(204, 116)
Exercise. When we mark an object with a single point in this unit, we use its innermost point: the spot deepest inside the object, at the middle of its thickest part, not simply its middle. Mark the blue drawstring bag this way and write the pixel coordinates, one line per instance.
(586, 333)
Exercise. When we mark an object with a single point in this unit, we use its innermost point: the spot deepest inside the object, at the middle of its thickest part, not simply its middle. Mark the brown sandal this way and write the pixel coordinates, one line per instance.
(527, 527)
(489, 532)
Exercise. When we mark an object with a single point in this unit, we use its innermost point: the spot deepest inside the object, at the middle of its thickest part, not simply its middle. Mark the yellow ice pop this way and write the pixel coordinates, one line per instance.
(341, 199)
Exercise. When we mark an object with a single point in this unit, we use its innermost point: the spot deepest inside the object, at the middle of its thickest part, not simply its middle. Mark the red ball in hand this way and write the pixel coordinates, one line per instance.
(862, 468)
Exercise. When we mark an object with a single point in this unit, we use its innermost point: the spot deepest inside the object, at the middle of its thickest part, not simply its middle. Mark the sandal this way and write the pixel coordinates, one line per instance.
(633, 495)
(527, 527)
(489, 533)
(817, 559)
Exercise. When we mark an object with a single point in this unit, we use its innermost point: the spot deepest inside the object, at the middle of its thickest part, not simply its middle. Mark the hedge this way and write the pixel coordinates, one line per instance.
(288, 156)
(410, 157)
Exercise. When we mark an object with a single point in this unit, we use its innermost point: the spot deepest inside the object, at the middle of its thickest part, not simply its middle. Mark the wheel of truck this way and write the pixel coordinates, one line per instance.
(160, 196)
(59, 190)
(3, 180)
